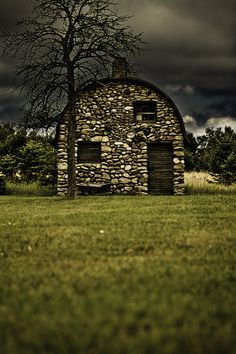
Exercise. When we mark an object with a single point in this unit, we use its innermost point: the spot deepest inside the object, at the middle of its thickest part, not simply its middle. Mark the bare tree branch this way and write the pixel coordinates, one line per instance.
(64, 44)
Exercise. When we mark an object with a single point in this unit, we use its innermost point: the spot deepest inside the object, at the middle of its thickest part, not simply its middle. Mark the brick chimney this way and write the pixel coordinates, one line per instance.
(119, 68)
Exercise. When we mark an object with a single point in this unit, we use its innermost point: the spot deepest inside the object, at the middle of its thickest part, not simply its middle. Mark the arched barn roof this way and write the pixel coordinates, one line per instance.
(141, 82)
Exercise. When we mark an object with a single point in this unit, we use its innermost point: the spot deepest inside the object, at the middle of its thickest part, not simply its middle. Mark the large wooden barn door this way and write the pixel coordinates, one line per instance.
(160, 168)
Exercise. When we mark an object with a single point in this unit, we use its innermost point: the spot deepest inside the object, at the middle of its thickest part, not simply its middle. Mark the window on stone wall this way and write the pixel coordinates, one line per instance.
(89, 152)
(145, 111)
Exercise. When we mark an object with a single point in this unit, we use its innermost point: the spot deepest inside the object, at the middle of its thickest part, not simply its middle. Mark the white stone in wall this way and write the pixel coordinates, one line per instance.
(179, 153)
(105, 176)
(62, 166)
(106, 148)
(96, 138)
(124, 180)
(105, 139)
(176, 160)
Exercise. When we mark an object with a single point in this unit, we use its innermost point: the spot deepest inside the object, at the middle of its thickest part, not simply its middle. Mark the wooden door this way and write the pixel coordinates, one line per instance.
(160, 168)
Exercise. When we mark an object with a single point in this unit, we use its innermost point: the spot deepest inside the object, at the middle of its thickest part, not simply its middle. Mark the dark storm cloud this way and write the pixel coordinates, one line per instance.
(214, 13)
(225, 106)
(189, 40)
(12, 11)
(9, 113)
(193, 47)
(192, 50)
(10, 101)
(6, 74)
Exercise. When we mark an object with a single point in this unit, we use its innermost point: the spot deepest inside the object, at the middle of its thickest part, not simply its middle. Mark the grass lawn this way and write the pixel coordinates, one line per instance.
(109, 275)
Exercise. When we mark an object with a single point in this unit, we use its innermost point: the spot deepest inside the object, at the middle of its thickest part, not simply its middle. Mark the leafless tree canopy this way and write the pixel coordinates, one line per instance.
(63, 45)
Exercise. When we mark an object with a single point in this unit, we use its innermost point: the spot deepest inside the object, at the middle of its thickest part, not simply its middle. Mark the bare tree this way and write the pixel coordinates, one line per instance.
(63, 45)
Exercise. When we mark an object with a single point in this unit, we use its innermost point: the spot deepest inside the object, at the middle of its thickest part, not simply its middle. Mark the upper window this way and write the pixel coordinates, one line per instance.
(89, 152)
(145, 111)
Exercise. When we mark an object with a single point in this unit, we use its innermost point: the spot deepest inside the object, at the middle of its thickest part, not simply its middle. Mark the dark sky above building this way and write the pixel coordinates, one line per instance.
(191, 56)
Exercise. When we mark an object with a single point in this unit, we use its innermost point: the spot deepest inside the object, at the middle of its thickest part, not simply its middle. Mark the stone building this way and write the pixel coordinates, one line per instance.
(130, 134)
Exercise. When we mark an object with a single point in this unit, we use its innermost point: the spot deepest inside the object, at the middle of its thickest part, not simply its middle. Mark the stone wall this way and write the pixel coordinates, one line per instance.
(105, 114)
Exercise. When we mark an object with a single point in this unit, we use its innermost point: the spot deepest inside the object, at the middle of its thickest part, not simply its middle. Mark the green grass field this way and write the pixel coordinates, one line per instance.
(109, 275)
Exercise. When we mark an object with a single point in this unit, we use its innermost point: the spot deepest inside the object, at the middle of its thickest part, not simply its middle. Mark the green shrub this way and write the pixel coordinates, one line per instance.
(27, 157)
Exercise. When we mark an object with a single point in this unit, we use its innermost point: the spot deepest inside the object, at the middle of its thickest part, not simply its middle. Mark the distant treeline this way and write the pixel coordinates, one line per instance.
(30, 156)
(215, 152)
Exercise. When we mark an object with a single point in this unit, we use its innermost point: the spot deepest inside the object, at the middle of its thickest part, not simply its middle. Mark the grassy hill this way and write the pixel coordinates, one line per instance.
(109, 275)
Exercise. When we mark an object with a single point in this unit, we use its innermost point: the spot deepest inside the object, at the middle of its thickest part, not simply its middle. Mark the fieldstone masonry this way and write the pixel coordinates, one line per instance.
(105, 114)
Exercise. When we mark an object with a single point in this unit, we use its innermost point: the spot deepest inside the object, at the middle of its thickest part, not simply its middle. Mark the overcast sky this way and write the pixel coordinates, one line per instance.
(191, 57)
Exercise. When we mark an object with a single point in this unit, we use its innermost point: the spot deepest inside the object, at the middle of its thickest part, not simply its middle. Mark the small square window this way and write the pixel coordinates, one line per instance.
(89, 152)
(145, 111)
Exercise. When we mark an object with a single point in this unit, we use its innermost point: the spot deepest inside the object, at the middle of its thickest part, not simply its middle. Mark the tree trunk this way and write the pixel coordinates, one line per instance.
(71, 137)
(71, 140)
